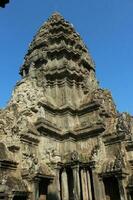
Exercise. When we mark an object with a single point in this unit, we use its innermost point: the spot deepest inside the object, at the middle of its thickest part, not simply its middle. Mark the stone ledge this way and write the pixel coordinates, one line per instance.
(83, 133)
(8, 164)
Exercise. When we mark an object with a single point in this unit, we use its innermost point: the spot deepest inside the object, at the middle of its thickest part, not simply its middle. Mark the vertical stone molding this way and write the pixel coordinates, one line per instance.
(64, 185)
(102, 189)
(84, 184)
(89, 185)
(76, 180)
(96, 185)
(58, 186)
(36, 189)
(122, 190)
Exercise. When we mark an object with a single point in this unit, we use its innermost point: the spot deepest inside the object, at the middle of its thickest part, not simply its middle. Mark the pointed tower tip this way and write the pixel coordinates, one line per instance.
(56, 16)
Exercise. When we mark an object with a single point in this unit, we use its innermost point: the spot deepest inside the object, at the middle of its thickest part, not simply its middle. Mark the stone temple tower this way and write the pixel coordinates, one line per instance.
(61, 137)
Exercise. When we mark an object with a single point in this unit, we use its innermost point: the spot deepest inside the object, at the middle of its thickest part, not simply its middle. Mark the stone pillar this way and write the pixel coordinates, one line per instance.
(51, 188)
(97, 186)
(84, 185)
(122, 190)
(64, 186)
(57, 179)
(89, 185)
(102, 188)
(36, 190)
(76, 181)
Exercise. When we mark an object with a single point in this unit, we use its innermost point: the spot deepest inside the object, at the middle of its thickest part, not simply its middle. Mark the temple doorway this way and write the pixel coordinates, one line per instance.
(3, 196)
(131, 195)
(111, 188)
(20, 198)
(43, 186)
(70, 183)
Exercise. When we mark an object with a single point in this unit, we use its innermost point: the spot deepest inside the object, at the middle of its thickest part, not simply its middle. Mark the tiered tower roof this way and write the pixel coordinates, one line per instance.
(56, 39)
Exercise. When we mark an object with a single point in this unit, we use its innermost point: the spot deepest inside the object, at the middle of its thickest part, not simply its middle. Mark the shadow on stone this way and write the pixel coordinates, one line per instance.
(52, 196)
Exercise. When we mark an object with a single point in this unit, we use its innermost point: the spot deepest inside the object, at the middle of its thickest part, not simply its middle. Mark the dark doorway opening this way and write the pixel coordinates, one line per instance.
(111, 188)
(131, 195)
(92, 184)
(3, 197)
(20, 198)
(43, 187)
(70, 183)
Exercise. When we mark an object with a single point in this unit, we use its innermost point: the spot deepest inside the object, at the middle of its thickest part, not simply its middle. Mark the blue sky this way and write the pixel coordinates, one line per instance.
(106, 27)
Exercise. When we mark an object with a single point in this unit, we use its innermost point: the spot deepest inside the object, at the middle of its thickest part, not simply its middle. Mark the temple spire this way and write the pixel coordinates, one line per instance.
(56, 16)
(56, 38)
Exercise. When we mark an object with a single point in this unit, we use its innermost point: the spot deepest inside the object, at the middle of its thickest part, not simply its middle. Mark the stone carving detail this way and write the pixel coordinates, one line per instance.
(74, 156)
(123, 123)
(94, 152)
(119, 161)
(98, 154)
(51, 156)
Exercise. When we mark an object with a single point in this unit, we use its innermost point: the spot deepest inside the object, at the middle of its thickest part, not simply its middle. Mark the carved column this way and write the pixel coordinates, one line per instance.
(52, 189)
(64, 186)
(89, 185)
(102, 188)
(36, 190)
(97, 186)
(76, 182)
(84, 184)
(122, 190)
(58, 182)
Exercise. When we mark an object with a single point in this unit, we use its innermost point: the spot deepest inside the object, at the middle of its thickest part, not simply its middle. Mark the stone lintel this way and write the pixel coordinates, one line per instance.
(113, 139)
(75, 164)
(120, 174)
(29, 139)
(39, 176)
